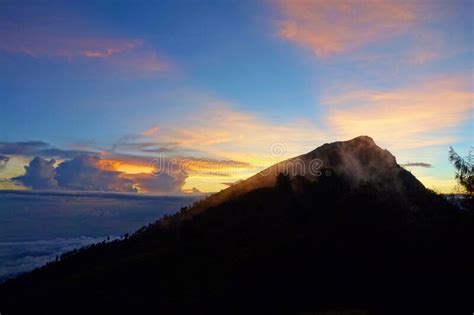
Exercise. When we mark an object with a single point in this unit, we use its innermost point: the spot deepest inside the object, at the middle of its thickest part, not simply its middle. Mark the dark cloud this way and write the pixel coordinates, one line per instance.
(65, 154)
(417, 164)
(40, 174)
(3, 161)
(84, 173)
(39, 148)
(162, 183)
(22, 147)
(136, 143)
(159, 150)
(80, 173)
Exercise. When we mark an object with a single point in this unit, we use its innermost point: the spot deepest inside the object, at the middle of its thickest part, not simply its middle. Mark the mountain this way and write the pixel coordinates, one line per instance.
(343, 228)
(359, 159)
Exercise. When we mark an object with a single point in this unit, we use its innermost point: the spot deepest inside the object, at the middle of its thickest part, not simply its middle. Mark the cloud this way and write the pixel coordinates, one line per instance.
(379, 37)
(39, 148)
(22, 147)
(25, 256)
(38, 44)
(331, 28)
(40, 174)
(207, 166)
(417, 164)
(151, 131)
(91, 173)
(80, 173)
(415, 116)
(117, 55)
(240, 143)
(162, 183)
(218, 130)
(138, 144)
(84, 173)
(169, 162)
(3, 161)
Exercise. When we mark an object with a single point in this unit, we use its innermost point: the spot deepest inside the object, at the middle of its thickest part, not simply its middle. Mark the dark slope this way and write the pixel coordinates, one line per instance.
(371, 239)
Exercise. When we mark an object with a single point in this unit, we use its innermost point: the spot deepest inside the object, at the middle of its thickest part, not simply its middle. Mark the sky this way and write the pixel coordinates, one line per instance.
(173, 97)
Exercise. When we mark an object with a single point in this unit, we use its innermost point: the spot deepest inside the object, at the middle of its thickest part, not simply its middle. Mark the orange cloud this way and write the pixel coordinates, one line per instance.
(202, 167)
(417, 116)
(124, 167)
(175, 174)
(334, 27)
(220, 131)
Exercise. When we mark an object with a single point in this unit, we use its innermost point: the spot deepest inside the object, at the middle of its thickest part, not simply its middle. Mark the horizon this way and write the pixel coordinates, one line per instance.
(107, 94)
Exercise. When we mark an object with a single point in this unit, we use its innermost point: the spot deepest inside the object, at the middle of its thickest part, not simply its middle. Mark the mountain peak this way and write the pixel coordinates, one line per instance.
(362, 148)
(357, 160)
(362, 139)
(360, 142)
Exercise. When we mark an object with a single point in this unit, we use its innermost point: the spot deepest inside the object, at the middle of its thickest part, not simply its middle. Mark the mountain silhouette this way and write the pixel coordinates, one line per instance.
(340, 229)
(359, 159)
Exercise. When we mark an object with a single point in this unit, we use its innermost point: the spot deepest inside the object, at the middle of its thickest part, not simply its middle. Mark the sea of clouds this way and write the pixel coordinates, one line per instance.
(36, 226)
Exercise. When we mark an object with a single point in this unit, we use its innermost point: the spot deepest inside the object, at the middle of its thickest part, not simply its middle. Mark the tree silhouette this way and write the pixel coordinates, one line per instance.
(283, 182)
(464, 169)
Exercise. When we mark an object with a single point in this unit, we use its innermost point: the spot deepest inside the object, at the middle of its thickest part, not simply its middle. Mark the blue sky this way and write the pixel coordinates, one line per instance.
(226, 80)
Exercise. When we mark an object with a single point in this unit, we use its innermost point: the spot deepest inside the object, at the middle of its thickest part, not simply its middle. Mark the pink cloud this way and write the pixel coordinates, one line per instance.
(335, 27)
(119, 55)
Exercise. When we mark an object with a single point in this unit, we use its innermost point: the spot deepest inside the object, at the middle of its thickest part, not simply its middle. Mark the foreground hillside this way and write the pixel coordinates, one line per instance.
(362, 235)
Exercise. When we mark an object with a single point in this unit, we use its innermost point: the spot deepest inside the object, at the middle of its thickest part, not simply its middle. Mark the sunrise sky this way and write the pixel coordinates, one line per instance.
(113, 90)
